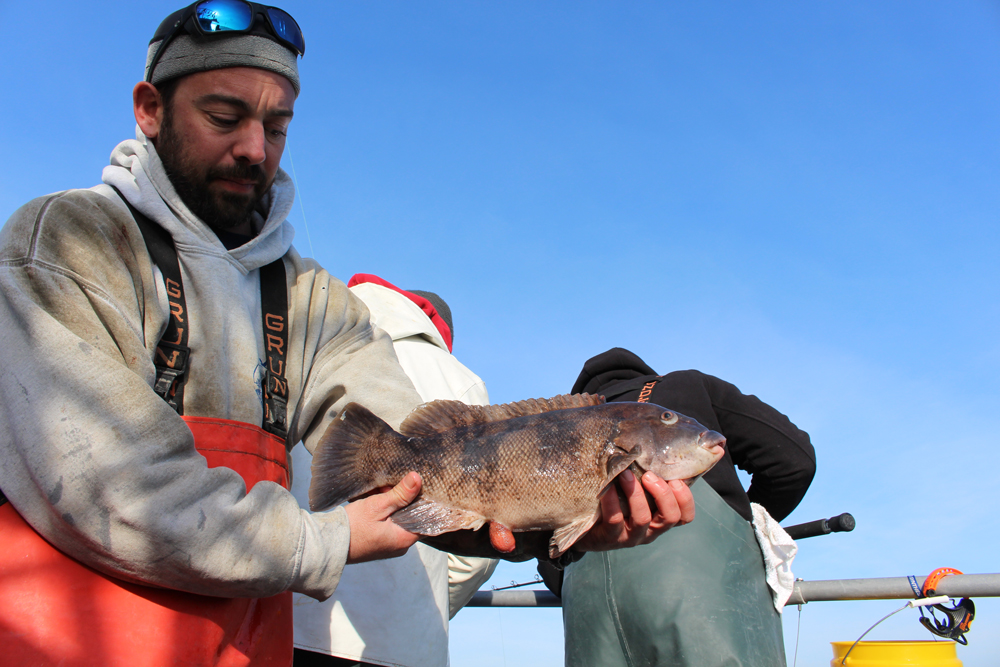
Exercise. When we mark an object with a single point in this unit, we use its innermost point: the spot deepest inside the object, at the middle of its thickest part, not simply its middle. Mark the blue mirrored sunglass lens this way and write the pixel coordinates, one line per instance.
(286, 28)
(221, 15)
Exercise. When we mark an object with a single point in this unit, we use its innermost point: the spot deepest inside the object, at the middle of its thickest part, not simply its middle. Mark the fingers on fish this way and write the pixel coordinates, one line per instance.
(342, 463)
(501, 538)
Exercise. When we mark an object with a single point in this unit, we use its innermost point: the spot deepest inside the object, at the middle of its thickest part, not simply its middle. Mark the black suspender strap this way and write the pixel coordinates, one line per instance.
(173, 356)
(274, 311)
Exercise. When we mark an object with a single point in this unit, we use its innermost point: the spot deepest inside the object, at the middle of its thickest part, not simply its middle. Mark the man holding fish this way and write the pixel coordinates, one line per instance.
(164, 346)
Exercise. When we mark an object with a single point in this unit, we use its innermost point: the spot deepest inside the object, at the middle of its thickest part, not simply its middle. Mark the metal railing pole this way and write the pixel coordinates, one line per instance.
(893, 588)
(888, 588)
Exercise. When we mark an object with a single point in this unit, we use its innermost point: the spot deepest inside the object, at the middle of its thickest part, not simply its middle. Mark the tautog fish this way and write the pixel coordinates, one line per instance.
(535, 465)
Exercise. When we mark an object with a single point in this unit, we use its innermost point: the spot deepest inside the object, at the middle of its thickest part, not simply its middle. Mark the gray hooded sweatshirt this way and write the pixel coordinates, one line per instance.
(96, 462)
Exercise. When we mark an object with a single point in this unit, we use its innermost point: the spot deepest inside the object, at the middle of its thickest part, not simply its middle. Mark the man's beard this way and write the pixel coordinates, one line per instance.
(218, 210)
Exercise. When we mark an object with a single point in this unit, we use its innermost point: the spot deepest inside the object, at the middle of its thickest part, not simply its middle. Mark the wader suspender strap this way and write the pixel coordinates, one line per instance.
(172, 353)
(274, 311)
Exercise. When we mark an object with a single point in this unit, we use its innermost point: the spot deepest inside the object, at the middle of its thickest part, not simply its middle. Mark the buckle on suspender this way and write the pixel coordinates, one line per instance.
(275, 404)
(171, 364)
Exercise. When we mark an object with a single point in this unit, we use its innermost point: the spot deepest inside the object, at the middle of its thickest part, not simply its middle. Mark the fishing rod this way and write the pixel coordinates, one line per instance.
(842, 523)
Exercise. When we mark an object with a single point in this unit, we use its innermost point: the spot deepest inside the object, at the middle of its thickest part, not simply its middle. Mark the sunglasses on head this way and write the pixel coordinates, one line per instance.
(222, 17)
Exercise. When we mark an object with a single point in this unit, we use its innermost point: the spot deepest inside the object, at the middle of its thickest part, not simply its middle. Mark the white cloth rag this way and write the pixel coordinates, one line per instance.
(779, 550)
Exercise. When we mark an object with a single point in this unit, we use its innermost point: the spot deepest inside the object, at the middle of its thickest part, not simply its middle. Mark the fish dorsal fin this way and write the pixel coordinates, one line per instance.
(536, 406)
(439, 416)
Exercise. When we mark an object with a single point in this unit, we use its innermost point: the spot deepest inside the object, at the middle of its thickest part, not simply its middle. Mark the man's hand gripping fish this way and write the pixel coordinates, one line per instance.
(534, 465)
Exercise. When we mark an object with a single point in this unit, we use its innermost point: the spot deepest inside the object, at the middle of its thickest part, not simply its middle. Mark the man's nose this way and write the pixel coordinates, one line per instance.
(250, 144)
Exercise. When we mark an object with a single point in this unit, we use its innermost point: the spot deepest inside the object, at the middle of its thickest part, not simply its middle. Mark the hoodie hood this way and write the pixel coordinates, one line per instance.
(138, 173)
(608, 368)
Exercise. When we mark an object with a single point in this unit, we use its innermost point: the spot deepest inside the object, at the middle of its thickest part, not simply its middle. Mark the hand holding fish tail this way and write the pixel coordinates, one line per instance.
(620, 527)
(373, 535)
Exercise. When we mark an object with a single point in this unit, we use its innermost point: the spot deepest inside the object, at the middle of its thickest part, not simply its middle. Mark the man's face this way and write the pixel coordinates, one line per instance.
(221, 141)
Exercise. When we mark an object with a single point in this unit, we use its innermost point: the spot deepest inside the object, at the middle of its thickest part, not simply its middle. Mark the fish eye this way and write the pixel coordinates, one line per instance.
(669, 418)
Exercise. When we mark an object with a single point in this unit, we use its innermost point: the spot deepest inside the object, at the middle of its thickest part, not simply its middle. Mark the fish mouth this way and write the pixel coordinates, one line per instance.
(710, 440)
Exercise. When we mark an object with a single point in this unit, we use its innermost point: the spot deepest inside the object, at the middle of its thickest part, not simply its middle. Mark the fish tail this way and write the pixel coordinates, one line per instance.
(342, 466)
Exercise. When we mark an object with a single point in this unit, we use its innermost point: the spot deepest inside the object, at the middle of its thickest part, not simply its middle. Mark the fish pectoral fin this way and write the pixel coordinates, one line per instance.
(620, 460)
(566, 536)
(426, 517)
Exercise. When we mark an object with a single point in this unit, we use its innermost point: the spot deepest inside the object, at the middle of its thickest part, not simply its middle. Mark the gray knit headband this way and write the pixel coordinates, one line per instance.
(186, 54)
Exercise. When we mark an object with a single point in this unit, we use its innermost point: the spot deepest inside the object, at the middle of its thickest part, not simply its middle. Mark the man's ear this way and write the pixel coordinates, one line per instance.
(148, 106)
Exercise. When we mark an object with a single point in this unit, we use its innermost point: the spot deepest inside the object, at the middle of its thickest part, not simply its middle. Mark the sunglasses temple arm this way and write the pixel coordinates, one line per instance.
(163, 45)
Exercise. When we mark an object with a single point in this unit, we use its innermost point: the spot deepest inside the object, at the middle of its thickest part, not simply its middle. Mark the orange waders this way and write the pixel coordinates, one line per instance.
(56, 611)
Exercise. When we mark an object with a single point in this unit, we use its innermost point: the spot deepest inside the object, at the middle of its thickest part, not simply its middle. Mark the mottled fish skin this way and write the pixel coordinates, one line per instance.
(528, 473)
(531, 466)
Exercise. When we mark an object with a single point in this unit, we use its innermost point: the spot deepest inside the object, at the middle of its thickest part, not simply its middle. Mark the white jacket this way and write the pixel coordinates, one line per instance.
(395, 612)
(96, 462)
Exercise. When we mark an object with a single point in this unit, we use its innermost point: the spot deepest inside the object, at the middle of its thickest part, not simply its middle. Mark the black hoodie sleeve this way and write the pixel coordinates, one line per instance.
(766, 444)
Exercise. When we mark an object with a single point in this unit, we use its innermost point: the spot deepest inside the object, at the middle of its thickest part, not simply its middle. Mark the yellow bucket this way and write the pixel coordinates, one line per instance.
(893, 654)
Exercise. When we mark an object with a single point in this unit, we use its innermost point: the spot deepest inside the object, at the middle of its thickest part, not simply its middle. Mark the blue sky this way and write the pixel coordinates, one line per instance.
(801, 198)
